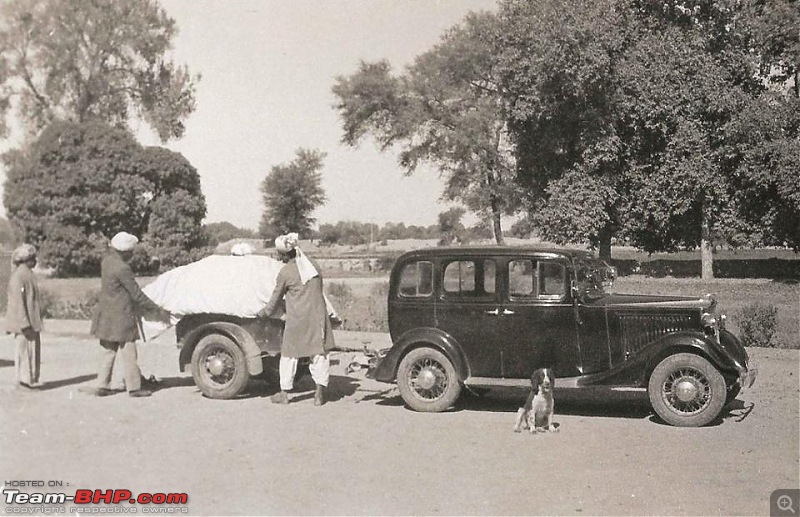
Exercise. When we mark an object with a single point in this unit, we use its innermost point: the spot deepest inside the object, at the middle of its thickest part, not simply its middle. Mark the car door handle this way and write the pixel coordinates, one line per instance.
(494, 312)
(506, 311)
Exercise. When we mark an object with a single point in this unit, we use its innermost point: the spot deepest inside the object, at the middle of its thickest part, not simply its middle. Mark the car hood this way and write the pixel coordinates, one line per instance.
(654, 301)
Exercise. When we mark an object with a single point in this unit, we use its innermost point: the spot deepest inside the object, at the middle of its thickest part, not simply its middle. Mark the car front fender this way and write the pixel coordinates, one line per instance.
(692, 342)
(231, 330)
(386, 369)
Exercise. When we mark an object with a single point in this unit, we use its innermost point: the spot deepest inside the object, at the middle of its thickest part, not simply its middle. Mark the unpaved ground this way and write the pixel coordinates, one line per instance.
(364, 453)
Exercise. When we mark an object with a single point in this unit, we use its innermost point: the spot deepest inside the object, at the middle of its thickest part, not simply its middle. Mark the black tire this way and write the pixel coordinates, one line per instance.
(427, 380)
(686, 390)
(219, 367)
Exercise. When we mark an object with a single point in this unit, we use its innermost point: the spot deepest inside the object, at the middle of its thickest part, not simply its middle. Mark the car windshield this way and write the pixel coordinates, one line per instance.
(595, 277)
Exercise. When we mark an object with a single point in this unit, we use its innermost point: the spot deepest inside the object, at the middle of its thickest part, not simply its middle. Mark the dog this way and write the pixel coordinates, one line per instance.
(537, 413)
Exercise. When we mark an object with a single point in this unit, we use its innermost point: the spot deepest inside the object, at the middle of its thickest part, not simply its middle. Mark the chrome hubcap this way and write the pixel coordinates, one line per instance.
(686, 391)
(215, 365)
(428, 379)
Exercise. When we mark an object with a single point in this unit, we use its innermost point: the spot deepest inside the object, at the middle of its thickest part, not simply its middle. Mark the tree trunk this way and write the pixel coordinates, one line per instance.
(605, 243)
(706, 250)
(497, 227)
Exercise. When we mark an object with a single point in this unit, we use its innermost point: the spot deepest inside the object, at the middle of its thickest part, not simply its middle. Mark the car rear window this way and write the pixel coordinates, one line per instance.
(416, 279)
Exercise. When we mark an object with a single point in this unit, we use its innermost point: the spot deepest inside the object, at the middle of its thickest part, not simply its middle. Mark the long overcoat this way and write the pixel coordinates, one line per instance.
(308, 329)
(23, 309)
(121, 302)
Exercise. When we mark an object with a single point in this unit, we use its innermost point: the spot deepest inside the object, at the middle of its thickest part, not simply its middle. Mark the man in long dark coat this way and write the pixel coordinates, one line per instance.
(308, 331)
(23, 316)
(115, 321)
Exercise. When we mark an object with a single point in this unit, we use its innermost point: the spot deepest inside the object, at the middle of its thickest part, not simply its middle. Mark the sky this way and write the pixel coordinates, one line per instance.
(267, 69)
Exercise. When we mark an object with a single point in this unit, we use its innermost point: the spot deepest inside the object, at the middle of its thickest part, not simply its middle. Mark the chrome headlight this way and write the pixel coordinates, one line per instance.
(712, 324)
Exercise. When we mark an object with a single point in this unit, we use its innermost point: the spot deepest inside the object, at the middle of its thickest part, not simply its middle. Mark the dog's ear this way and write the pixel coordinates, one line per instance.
(536, 378)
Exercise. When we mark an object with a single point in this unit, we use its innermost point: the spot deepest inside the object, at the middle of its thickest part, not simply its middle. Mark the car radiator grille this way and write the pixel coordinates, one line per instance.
(639, 330)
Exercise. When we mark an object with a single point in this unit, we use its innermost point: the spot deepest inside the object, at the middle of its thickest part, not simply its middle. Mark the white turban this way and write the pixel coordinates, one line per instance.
(23, 253)
(287, 243)
(241, 249)
(124, 241)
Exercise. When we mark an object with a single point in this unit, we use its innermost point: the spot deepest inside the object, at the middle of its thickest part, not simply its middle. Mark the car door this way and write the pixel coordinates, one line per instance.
(467, 308)
(537, 318)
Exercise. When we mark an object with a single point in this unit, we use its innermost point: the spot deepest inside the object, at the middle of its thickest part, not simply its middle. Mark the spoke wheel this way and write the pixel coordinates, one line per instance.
(219, 367)
(427, 380)
(686, 390)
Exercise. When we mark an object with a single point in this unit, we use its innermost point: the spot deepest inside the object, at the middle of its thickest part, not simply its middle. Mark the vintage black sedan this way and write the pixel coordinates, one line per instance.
(483, 317)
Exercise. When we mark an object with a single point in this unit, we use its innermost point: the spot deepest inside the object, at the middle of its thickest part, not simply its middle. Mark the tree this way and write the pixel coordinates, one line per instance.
(224, 231)
(451, 229)
(85, 60)
(445, 110)
(77, 185)
(291, 192)
(622, 112)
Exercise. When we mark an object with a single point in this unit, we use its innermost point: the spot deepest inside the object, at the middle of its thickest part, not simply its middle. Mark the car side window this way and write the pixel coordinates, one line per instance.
(542, 279)
(552, 281)
(489, 276)
(520, 277)
(416, 280)
(459, 277)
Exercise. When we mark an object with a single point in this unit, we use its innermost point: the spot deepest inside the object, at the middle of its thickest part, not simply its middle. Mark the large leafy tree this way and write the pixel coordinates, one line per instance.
(84, 60)
(77, 185)
(291, 192)
(625, 113)
(445, 110)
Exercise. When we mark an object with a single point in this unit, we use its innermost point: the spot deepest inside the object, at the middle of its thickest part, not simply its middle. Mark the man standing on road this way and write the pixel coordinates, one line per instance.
(115, 321)
(308, 331)
(24, 316)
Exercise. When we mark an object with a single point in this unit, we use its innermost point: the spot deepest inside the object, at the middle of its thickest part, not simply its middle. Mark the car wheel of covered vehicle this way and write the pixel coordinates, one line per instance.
(219, 367)
(686, 390)
(427, 380)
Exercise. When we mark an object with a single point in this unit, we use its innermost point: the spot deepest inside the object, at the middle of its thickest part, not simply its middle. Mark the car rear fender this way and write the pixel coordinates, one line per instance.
(433, 338)
(693, 343)
(231, 330)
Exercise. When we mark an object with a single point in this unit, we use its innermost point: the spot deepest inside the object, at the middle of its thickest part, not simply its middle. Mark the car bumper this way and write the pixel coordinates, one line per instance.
(747, 377)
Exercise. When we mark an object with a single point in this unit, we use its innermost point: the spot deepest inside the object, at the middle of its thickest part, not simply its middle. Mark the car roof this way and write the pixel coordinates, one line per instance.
(493, 250)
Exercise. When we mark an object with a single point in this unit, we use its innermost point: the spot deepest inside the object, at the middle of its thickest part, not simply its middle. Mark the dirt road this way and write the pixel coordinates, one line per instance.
(364, 453)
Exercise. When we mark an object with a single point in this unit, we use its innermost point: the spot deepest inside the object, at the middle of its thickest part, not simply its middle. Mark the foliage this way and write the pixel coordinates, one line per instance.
(630, 118)
(291, 192)
(225, 231)
(445, 110)
(451, 229)
(7, 236)
(758, 325)
(54, 307)
(88, 60)
(79, 184)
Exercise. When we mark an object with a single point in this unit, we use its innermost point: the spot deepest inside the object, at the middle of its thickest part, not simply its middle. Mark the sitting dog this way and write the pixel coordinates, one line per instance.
(537, 413)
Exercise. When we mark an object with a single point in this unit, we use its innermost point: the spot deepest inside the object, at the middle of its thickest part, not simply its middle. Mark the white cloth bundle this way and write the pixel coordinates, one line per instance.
(238, 286)
(220, 284)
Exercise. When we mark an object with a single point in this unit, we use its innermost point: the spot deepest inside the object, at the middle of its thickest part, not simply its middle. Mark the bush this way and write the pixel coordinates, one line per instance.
(758, 325)
(55, 308)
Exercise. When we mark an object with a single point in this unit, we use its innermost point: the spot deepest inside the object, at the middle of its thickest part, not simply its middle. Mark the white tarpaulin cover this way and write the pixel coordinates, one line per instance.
(218, 284)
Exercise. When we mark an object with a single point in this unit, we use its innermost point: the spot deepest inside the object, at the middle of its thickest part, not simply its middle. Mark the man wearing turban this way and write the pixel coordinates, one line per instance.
(23, 316)
(308, 331)
(115, 321)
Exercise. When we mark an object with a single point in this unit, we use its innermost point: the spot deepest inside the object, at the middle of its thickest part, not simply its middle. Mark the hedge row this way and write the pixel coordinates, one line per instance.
(772, 268)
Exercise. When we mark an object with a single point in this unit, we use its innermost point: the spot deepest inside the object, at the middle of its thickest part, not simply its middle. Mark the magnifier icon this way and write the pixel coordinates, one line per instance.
(785, 503)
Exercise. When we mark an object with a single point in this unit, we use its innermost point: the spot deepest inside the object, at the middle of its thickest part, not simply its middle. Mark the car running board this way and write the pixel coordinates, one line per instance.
(561, 383)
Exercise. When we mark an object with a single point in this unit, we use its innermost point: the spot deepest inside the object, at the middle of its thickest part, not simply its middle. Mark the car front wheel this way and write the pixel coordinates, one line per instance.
(219, 367)
(686, 390)
(427, 380)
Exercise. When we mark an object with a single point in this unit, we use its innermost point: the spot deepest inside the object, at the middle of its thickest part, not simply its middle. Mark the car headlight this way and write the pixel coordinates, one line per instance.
(711, 324)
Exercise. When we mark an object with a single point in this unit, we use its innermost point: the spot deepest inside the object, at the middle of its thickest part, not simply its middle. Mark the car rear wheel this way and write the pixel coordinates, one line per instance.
(427, 380)
(219, 367)
(686, 390)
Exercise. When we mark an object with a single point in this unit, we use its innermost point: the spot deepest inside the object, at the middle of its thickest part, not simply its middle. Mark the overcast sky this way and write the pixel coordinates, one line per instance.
(267, 69)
